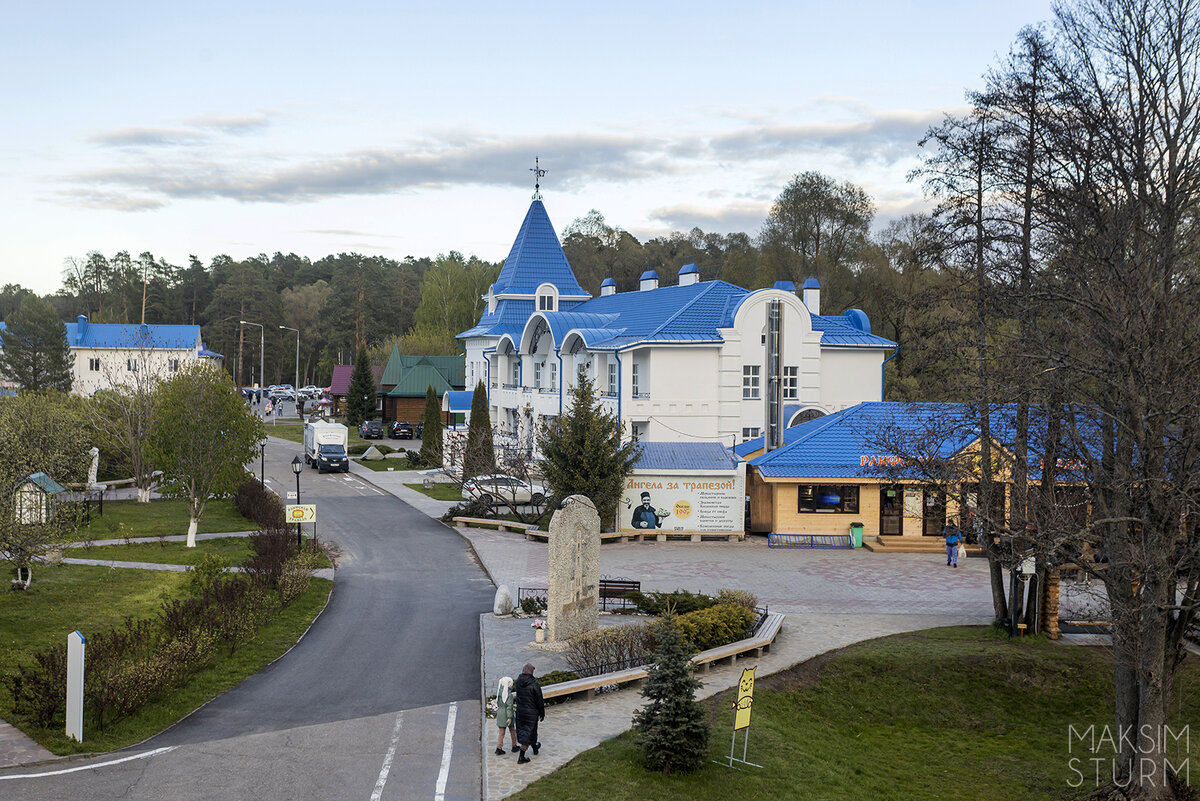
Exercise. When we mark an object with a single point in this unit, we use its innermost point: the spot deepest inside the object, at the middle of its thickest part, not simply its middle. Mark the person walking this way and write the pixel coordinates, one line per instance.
(506, 701)
(530, 709)
(953, 537)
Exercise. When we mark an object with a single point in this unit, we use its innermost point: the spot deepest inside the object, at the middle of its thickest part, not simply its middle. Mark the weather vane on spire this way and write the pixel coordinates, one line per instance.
(538, 174)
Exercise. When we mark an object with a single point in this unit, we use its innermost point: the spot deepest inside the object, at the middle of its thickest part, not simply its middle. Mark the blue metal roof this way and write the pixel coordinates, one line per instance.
(685, 456)
(843, 331)
(459, 400)
(537, 258)
(786, 286)
(608, 282)
(48, 485)
(85, 334)
(812, 283)
(690, 313)
(687, 269)
(649, 275)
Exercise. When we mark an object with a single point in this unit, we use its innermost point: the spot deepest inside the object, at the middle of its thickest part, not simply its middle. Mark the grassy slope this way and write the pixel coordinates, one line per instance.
(235, 549)
(95, 598)
(947, 714)
(439, 492)
(162, 517)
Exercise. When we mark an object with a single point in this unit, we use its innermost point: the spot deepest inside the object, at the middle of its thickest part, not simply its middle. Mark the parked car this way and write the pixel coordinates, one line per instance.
(400, 430)
(371, 429)
(310, 392)
(502, 490)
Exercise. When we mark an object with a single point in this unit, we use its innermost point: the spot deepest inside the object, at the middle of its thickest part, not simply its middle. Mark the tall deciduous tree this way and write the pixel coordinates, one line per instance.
(360, 396)
(583, 453)
(34, 350)
(32, 426)
(431, 433)
(203, 436)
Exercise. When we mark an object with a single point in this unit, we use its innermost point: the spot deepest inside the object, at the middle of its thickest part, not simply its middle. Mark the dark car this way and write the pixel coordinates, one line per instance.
(371, 429)
(401, 430)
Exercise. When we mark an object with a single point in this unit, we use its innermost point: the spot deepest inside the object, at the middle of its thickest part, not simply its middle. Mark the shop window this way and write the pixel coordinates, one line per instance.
(827, 498)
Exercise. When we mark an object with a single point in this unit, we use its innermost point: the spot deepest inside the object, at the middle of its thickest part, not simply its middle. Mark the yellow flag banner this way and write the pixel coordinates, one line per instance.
(745, 699)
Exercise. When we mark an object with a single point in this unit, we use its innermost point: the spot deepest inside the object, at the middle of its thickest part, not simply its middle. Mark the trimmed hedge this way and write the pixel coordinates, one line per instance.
(680, 602)
(715, 626)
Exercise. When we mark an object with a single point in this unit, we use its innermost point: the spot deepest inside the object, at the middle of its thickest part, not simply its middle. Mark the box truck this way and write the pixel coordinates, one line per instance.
(325, 446)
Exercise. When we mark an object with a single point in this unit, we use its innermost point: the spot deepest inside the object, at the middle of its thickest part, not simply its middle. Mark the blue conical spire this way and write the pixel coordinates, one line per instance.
(537, 258)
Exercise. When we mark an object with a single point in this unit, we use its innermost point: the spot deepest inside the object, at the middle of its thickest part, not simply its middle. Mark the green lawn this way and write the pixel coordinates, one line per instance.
(234, 549)
(382, 465)
(92, 599)
(164, 516)
(959, 713)
(439, 492)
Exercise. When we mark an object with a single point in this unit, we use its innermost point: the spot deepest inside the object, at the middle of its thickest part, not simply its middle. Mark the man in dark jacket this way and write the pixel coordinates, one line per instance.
(530, 709)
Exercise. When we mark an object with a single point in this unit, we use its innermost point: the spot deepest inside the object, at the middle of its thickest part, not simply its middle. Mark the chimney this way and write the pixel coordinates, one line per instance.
(688, 275)
(81, 324)
(649, 280)
(812, 296)
(609, 287)
(786, 286)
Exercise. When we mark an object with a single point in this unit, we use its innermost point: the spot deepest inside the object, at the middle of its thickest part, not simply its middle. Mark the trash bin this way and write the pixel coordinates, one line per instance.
(856, 530)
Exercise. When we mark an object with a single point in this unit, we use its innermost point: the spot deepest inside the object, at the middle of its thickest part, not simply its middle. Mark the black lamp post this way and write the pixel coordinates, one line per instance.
(297, 466)
(262, 463)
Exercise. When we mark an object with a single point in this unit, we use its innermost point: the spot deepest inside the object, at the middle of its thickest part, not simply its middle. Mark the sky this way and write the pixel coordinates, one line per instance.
(403, 128)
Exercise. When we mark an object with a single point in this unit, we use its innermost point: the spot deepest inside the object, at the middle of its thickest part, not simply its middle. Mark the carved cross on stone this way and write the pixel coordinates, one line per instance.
(574, 562)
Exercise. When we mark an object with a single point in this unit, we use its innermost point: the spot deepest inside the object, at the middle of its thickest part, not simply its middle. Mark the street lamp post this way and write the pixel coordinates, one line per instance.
(262, 346)
(262, 464)
(296, 386)
(297, 466)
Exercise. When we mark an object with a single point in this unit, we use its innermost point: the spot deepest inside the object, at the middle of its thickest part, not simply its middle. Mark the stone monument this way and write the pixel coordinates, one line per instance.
(92, 470)
(574, 592)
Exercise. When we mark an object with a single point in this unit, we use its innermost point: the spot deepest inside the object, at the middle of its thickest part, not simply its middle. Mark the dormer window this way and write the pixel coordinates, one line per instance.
(547, 297)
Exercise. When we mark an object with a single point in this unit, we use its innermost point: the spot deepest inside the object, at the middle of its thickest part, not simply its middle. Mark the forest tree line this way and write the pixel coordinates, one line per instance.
(818, 227)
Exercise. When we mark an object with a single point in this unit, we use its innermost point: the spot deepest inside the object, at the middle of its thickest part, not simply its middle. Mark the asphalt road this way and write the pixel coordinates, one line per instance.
(380, 700)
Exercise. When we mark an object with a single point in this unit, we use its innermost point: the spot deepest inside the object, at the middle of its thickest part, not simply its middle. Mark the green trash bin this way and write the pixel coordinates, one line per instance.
(856, 534)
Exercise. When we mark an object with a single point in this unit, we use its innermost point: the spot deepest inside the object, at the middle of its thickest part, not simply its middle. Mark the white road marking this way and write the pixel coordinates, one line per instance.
(155, 752)
(387, 760)
(346, 478)
(447, 748)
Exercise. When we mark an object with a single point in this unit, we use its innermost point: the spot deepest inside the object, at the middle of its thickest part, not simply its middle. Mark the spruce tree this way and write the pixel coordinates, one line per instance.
(35, 353)
(479, 456)
(360, 397)
(583, 453)
(431, 433)
(672, 728)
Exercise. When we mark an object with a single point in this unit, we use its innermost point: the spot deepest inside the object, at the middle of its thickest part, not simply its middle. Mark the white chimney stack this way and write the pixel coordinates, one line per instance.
(812, 296)
(609, 287)
(688, 275)
(648, 281)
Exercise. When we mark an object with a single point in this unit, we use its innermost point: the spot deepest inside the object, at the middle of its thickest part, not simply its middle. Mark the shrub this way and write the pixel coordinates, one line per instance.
(258, 503)
(740, 597)
(672, 728)
(610, 648)
(39, 690)
(660, 603)
(534, 604)
(469, 509)
(205, 573)
(296, 576)
(271, 547)
(715, 626)
(555, 677)
(358, 448)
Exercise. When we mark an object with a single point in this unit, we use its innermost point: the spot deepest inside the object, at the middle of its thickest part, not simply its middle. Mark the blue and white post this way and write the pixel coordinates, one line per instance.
(75, 649)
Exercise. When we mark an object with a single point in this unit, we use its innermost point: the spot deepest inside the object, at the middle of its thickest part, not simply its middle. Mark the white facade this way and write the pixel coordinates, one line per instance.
(94, 369)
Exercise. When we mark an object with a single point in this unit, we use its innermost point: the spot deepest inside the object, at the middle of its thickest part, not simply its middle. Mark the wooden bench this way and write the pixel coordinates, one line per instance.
(756, 645)
(532, 533)
(501, 525)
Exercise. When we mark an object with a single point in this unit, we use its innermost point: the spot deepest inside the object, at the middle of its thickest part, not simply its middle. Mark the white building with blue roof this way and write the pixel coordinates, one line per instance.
(107, 355)
(680, 362)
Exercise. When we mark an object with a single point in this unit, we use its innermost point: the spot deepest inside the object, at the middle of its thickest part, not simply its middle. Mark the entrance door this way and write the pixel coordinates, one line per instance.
(891, 509)
(934, 513)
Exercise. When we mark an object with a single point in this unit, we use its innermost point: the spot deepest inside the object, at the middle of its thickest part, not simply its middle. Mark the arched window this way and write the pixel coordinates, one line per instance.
(547, 297)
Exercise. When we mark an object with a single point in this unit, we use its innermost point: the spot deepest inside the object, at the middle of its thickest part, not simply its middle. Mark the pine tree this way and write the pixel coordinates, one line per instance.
(583, 453)
(479, 456)
(35, 354)
(431, 435)
(672, 728)
(360, 397)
